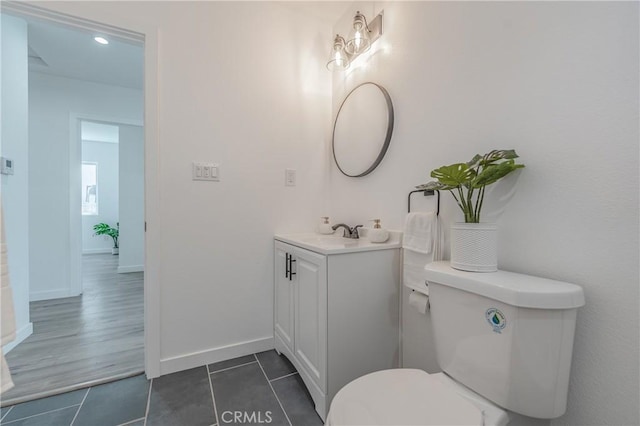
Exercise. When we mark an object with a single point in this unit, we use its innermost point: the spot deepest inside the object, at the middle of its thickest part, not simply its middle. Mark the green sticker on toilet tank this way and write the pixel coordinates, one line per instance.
(496, 319)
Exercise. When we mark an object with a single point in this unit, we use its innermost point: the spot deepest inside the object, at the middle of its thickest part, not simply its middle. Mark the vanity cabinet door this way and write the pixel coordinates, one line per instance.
(310, 302)
(283, 306)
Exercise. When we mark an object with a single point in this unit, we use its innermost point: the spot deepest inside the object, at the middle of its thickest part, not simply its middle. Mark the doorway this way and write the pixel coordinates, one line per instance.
(108, 291)
(111, 193)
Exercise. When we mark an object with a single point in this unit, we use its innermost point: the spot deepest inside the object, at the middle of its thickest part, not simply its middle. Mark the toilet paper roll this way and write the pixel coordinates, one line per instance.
(419, 301)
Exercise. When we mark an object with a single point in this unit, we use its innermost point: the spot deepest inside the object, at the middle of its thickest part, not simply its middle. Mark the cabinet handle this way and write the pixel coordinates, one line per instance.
(291, 273)
(286, 265)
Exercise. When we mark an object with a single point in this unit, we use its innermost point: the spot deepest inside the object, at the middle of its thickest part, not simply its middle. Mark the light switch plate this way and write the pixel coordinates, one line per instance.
(289, 177)
(205, 171)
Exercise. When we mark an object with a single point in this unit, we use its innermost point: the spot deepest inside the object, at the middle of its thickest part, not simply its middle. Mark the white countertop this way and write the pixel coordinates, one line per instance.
(337, 244)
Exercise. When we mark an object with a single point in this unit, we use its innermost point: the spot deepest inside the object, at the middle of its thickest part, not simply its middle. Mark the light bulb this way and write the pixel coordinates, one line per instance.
(359, 39)
(338, 59)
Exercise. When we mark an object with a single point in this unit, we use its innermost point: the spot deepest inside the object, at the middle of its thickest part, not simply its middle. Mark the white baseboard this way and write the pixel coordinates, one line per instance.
(209, 356)
(130, 268)
(21, 334)
(97, 251)
(50, 294)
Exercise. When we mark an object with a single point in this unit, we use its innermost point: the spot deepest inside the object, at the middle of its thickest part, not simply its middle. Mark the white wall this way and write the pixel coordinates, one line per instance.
(14, 145)
(555, 81)
(558, 82)
(131, 240)
(105, 154)
(255, 99)
(52, 100)
(255, 113)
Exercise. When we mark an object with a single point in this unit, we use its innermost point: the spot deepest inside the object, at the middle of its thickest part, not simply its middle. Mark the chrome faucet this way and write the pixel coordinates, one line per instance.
(348, 232)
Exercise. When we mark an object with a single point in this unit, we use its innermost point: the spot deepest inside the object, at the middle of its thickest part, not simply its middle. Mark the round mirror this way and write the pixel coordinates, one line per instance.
(362, 130)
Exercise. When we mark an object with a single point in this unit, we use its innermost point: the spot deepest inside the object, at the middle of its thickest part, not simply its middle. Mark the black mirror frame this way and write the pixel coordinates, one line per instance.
(387, 139)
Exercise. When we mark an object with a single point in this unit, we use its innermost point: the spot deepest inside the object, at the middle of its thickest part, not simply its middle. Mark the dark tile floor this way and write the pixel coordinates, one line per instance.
(255, 389)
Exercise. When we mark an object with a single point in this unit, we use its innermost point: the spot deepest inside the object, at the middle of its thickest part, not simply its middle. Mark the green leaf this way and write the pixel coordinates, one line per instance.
(104, 229)
(434, 186)
(454, 175)
(463, 179)
(497, 155)
(475, 161)
(495, 172)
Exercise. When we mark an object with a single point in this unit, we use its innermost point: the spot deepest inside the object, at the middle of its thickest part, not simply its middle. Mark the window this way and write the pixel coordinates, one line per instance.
(90, 189)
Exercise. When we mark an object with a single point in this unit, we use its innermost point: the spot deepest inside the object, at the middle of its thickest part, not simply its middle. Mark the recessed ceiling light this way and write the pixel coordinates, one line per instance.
(101, 40)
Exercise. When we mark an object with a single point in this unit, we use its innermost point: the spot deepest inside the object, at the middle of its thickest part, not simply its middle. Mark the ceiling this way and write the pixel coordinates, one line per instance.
(72, 53)
(328, 11)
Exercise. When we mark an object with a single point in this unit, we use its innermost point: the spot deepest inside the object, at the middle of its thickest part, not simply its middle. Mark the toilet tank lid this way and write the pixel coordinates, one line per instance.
(511, 288)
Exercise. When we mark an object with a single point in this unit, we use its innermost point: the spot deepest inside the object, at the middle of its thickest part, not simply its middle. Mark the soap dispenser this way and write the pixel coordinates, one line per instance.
(325, 226)
(377, 234)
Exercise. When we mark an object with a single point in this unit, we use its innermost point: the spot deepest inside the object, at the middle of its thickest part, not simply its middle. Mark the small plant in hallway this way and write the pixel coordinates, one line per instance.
(104, 229)
(469, 180)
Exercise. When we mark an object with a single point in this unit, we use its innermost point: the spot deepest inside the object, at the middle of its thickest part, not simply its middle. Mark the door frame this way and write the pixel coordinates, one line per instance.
(149, 38)
(75, 218)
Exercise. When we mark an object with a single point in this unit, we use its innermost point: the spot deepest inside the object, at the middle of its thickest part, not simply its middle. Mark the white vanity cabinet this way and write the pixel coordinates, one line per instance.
(336, 309)
(300, 309)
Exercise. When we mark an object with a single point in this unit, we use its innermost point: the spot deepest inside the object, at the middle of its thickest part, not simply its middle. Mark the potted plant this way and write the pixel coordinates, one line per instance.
(473, 244)
(104, 229)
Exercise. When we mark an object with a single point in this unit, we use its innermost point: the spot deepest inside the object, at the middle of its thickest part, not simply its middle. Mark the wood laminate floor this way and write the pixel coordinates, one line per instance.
(84, 340)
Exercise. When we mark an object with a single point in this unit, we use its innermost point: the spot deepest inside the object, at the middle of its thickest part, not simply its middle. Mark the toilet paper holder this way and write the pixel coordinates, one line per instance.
(428, 307)
(429, 301)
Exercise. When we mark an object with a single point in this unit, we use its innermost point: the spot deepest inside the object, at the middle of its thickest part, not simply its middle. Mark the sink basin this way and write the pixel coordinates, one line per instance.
(334, 244)
(326, 239)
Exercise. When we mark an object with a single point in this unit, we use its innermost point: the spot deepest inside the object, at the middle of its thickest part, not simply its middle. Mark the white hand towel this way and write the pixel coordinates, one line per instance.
(419, 232)
(5, 376)
(421, 242)
(7, 316)
(413, 273)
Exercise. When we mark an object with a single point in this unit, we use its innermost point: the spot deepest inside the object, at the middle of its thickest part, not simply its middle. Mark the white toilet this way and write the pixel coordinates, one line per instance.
(504, 343)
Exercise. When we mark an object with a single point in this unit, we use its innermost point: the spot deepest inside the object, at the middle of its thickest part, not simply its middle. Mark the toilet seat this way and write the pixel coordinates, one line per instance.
(401, 397)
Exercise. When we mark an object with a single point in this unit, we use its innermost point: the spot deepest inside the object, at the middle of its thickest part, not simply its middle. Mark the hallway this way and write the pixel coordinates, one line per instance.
(84, 340)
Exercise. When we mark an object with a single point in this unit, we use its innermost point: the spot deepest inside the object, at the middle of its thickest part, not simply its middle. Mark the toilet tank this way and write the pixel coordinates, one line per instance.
(506, 336)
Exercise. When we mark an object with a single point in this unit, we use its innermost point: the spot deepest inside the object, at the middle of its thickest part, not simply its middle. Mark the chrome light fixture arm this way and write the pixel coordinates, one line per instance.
(362, 36)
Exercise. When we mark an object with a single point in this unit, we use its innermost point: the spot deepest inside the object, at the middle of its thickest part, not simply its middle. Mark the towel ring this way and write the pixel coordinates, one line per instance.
(426, 193)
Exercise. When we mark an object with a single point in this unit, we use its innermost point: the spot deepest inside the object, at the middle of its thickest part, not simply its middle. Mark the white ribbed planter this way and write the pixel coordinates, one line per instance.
(474, 247)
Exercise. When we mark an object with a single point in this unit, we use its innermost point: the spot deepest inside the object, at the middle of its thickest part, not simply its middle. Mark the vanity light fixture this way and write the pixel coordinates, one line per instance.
(359, 40)
(101, 40)
(338, 60)
(361, 37)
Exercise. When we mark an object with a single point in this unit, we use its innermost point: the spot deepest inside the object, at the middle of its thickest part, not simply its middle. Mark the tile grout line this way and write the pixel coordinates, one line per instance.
(146, 412)
(230, 368)
(284, 377)
(39, 414)
(213, 398)
(5, 414)
(274, 392)
(131, 421)
(80, 407)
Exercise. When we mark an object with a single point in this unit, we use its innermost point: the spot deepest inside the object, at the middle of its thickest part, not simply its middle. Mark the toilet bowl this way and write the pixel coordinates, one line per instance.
(411, 397)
